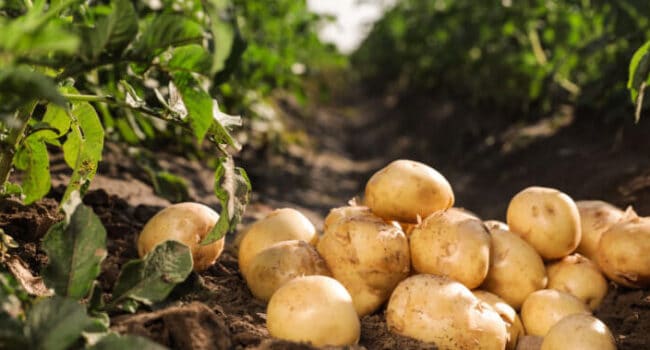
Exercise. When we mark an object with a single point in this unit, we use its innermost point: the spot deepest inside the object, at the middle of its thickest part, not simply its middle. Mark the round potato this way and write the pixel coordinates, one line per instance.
(580, 277)
(280, 263)
(623, 252)
(280, 225)
(314, 309)
(544, 308)
(342, 214)
(454, 244)
(595, 218)
(579, 332)
(187, 223)
(516, 269)
(368, 256)
(405, 190)
(514, 327)
(439, 310)
(547, 219)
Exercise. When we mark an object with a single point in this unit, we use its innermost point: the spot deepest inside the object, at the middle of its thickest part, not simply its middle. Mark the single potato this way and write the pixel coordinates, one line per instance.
(368, 256)
(514, 327)
(280, 225)
(544, 308)
(280, 263)
(187, 223)
(439, 310)
(623, 252)
(580, 277)
(454, 244)
(516, 269)
(342, 214)
(314, 309)
(579, 332)
(595, 218)
(405, 190)
(547, 219)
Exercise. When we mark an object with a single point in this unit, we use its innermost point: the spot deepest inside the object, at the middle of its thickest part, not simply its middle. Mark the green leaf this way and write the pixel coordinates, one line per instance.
(55, 323)
(170, 187)
(19, 85)
(82, 150)
(190, 58)
(639, 77)
(197, 102)
(112, 32)
(152, 278)
(167, 30)
(222, 24)
(12, 336)
(116, 341)
(75, 252)
(58, 119)
(232, 187)
(33, 158)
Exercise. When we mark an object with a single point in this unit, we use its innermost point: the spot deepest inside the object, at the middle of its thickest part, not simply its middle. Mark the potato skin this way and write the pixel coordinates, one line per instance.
(595, 218)
(315, 309)
(187, 223)
(544, 308)
(368, 256)
(452, 243)
(514, 327)
(439, 310)
(580, 277)
(547, 219)
(280, 225)
(280, 263)
(579, 332)
(405, 190)
(623, 252)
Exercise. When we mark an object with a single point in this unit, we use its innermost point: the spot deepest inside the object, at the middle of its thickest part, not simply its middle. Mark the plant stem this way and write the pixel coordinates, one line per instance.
(18, 126)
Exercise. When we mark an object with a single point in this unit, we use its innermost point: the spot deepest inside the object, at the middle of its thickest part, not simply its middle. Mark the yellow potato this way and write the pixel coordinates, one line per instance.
(280, 225)
(187, 223)
(514, 327)
(454, 244)
(595, 218)
(516, 269)
(547, 219)
(496, 224)
(314, 309)
(580, 277)
(405, 190)
(342, 214)
(579, 332)
(439, 310)
(368, 256)
(544, 308)
(280, 263)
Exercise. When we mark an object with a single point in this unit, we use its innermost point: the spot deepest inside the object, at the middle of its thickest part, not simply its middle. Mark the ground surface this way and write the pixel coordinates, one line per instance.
(485, 162)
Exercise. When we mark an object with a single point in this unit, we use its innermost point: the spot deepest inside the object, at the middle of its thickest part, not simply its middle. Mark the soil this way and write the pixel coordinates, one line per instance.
(347, 140)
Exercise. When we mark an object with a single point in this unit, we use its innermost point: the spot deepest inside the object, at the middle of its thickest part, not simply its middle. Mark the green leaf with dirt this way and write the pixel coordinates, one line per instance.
(55, 323)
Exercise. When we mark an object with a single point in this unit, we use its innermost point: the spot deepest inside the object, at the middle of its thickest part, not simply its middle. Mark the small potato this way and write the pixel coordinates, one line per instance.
(280, 263)
(368, 256)
(579, 332)
(280, 225)
(342, 214)
(547, 219)
(514, 327)
(580, 277)
(314, 309)
(544, 308)
(623, 252)
(516, 269)
(187, 223)
(595, 218)
(405, 190)
(439, 310)
(454, 244)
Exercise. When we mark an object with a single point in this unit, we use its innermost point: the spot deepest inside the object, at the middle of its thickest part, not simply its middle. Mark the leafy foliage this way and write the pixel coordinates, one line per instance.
(639, 77)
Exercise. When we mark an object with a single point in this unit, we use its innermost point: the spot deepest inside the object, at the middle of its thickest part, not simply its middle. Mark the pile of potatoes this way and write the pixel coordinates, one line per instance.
(442, 274)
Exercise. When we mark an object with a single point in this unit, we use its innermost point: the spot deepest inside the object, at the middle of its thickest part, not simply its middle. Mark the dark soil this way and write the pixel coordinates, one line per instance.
(485, 162)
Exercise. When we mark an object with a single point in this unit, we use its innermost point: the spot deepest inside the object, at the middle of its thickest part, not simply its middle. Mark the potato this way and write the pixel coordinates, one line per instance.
(595, 218)
(280, 225)
(544, 308)
(439, 310)
(579, 276)
(579, 332)
(341, 214)
(514, 327)
(516, 269)
(547, 219)
(454, 244)
(623, 252)
(405, 190)
(280, 263)
(368, 256)
(187, 223)
(496, 224)
(315, 309)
